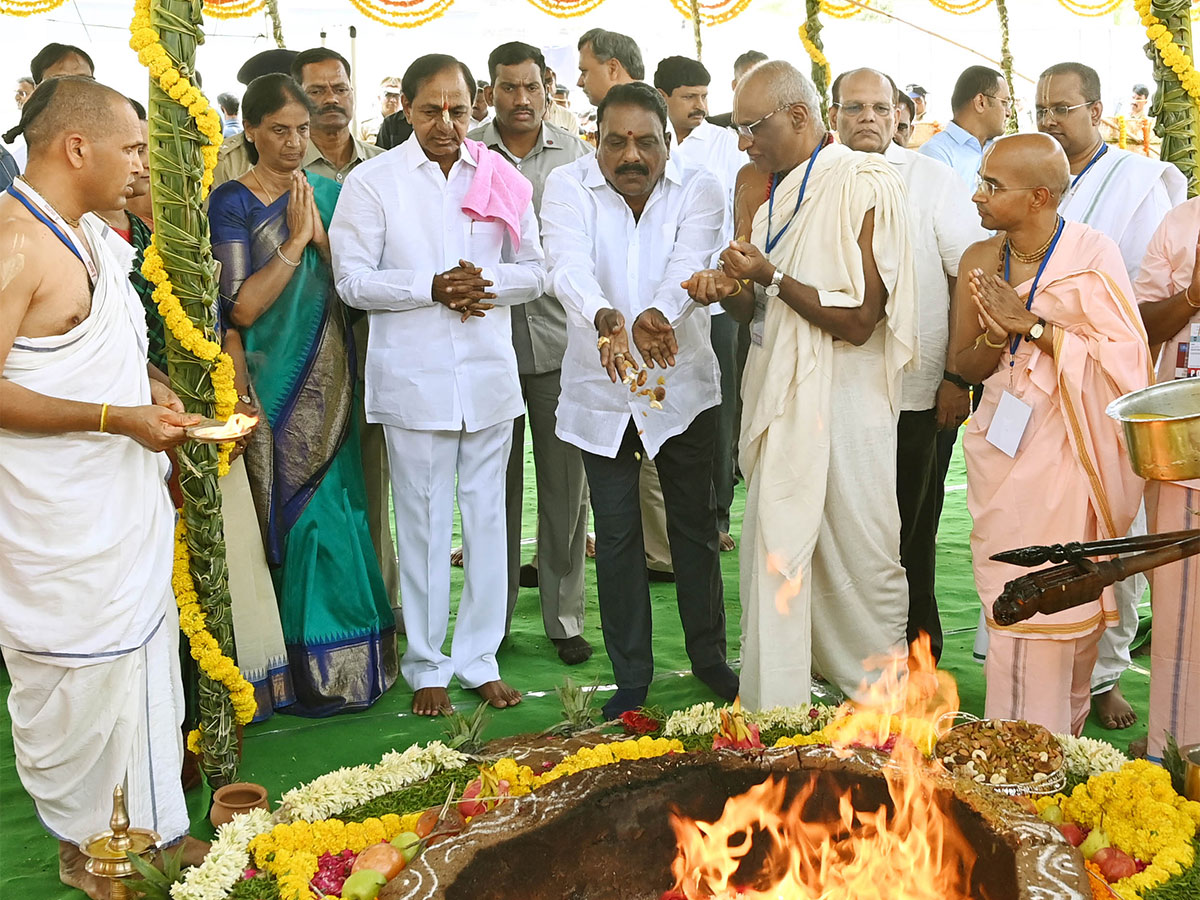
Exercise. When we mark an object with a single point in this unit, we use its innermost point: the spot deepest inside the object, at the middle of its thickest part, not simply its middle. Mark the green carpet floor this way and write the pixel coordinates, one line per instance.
(285, 750)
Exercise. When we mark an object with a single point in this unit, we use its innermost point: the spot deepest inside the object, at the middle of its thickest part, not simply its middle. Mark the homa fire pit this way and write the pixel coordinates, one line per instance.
(615, 833)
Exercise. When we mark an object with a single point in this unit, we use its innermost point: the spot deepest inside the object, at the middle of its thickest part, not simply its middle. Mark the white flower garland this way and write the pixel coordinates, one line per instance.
(705, 718)
(1086, 757)
(226, 861)
(334, 792)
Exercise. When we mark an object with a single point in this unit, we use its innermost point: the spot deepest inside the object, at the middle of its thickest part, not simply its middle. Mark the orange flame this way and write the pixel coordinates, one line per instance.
(908, 849)
(789, 589)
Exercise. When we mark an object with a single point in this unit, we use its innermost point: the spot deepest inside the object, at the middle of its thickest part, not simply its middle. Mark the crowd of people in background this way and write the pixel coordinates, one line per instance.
(670, 301)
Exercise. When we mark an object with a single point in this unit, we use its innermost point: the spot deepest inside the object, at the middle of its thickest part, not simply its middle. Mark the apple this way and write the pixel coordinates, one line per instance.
(1073, 833)
(383, 858)
(363, 885)
(1096, 840)
(1114, 864)
(408, 843)
(1053, 814)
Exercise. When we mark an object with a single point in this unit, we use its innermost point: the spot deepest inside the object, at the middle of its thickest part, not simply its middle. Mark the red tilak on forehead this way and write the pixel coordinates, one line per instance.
(629, 133)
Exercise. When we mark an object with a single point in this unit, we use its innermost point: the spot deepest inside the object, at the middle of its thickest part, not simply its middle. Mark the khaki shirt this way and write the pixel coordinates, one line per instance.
(539, 327)
(233, 161)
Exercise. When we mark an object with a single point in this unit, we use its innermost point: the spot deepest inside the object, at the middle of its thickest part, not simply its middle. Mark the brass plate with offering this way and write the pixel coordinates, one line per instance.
(1009, 756)
(215, 431)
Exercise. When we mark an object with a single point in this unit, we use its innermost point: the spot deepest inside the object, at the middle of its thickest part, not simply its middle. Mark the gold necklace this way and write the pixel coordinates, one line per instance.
(74, 223)
(262, 187)
(1037, 254)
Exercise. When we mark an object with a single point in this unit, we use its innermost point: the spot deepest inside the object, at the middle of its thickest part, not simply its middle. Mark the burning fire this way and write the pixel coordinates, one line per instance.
(910, 851)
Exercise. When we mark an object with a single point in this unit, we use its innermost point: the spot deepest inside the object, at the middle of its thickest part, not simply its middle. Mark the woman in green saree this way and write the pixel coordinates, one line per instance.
(268, 232)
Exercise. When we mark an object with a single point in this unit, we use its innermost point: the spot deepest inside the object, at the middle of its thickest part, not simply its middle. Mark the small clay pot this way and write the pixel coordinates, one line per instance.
(232, 799)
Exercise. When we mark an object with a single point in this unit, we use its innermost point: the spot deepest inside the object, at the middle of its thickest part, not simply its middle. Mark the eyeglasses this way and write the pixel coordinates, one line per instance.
(988, 188)
(1058, 112)
(749, 131)
(854, 110)
(1005, 102)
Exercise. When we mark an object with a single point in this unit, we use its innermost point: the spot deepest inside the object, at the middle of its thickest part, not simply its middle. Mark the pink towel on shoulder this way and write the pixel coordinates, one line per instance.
(497, 192)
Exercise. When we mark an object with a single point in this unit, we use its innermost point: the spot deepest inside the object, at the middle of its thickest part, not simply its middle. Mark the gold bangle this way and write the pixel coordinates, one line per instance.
(103, 418)
(740, 285)
(1187, 296)
(984, 337)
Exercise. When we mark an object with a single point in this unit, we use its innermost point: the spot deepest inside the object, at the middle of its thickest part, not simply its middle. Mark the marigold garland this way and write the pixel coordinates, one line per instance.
(232, 9)
(715, 13)
(844, 11)
(203, 646)
(25, 8)
(1122, 132)
(193, 340)
(961, 9)
(1170, 52)
(566, 9)
(400, 14)
(815, 53)
(1080, 8)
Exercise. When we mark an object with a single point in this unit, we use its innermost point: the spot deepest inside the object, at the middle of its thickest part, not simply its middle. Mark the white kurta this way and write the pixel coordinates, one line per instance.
(87, 622)
(822, 585)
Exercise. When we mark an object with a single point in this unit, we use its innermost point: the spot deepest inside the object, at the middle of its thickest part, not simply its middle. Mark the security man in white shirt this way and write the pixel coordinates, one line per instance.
(441, 375)
(622, 230)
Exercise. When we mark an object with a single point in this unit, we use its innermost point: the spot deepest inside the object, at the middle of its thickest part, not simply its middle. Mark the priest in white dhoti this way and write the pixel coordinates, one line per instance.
(88, 625)
(436, 240)
(829, 282)
(1123, 195)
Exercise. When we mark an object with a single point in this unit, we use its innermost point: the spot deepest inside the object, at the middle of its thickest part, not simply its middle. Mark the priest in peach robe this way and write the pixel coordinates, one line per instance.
(1046, 319)
(1168, 292)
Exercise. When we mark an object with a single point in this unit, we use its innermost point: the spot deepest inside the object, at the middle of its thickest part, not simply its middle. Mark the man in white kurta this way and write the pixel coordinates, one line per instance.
(88, 626)
(1123, 195)
(833, 326)
(441, 373)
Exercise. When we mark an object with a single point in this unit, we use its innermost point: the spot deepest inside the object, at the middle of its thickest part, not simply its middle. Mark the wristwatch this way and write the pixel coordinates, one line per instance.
(1038, 329)
(245, 398)
(772, 289)
(956, 380)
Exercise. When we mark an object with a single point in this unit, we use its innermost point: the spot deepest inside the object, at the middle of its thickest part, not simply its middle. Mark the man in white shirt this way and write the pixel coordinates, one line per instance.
(606, 59)
(698, 144)
(942, 225)
(441, 375)
(1125, 196)
(622, 230)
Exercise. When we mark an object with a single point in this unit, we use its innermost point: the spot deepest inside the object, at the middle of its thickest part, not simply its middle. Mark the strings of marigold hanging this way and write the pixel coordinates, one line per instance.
(1083, 8)
(28, 7)
(714, 13)
(232, 9)
(402, 13)
(566, 9)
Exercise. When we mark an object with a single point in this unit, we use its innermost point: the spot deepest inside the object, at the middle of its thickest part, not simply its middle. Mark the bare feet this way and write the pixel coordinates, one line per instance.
(456, 557)
(498, 694)
(72, 873)
(1113, 710)
(590, 551)
(432, 702)
(726, 541)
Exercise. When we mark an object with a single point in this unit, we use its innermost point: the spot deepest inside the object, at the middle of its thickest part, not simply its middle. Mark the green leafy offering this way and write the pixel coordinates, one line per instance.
(155, 884)
(1182, 887)
(579, 712)
(261, 887)
(415, 798)
(465, 733)
(1173, 763)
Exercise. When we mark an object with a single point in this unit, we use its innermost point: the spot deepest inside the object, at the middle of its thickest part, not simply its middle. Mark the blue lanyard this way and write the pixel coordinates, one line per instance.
(1091, 162)
(1012, 351)
(37, 214)
(772, 241)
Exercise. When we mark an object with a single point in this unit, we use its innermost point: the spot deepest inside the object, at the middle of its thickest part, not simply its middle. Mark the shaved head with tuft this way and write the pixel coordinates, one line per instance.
(72, 104)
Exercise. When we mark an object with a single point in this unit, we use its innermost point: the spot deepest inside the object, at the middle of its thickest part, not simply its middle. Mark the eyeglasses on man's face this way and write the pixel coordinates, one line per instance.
(854, 110)
(990, 188)
(749, 131)
(1005, 102)
(1061, 111)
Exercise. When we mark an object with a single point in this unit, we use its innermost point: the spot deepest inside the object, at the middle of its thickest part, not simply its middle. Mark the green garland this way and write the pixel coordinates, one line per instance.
(813, 28)
(424, 795)
(181, 232)
(1174, 112)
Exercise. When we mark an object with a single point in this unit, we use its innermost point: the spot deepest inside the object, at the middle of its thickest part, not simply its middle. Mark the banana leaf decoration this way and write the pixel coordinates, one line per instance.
(813, 28)
(1173, 109)
(181, 233)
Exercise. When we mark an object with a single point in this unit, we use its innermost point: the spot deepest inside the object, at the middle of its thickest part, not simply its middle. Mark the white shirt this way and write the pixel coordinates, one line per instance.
(714, 149)
(943, 223)
(599, 257)
(398, 223)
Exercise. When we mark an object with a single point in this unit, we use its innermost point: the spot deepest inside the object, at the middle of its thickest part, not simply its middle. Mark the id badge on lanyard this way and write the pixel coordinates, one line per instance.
(48, 216)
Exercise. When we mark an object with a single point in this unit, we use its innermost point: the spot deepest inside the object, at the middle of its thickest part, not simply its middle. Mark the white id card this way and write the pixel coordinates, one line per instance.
(758, 324)
(1009, 423)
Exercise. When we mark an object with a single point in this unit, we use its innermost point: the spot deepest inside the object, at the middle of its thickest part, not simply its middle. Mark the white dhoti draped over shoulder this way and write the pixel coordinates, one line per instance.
(87, 621)
(822, 585)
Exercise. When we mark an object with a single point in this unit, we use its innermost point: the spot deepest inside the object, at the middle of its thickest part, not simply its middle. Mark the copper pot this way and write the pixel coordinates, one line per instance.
(240, 797)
